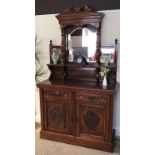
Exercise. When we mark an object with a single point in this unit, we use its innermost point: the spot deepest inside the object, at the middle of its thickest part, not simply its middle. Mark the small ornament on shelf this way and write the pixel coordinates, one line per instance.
(55, 56)
(103, 73)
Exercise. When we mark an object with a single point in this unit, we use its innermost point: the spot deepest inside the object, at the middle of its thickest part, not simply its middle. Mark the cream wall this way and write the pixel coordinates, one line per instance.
(47, 28)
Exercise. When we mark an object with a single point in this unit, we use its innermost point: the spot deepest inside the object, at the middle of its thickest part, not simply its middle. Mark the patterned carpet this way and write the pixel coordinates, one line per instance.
(47, 147)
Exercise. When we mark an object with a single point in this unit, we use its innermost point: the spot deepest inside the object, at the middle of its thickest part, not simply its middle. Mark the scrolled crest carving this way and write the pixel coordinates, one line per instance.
(78, 10)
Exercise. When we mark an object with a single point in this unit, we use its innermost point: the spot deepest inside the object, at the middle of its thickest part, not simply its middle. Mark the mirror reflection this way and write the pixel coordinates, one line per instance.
(82, 42)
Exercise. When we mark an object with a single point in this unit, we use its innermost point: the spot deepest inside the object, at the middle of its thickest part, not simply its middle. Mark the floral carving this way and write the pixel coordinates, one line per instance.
(91, 120)
(57, 115)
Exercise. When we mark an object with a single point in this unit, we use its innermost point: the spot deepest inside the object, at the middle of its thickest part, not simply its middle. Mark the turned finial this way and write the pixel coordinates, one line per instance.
(116, 41)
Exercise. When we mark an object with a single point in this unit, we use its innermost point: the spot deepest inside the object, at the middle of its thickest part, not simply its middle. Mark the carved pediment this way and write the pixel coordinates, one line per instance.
(78, 10)
(79, 16)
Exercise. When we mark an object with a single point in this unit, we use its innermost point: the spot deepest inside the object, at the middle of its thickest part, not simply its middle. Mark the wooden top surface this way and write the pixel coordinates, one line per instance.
(76, 85)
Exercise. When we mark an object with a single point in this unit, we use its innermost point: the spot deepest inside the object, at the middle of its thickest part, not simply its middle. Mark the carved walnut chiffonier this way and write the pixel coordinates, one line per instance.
(75, 108)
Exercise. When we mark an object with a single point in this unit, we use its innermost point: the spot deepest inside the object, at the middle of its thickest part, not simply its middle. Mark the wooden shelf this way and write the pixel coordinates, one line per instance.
(77, 84)
(83, 65)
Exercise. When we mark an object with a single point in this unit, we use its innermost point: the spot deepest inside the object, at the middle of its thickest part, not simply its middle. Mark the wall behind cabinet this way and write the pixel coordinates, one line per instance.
(47, 28)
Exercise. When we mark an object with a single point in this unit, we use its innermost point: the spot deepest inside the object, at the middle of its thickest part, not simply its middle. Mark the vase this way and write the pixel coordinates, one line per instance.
(55, 57)
(104, 82)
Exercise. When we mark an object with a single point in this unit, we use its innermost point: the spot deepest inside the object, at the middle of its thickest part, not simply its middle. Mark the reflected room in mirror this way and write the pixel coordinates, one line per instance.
(82, 43)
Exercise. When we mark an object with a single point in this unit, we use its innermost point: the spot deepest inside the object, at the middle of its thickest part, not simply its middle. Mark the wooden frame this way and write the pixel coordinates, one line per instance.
(80, 17)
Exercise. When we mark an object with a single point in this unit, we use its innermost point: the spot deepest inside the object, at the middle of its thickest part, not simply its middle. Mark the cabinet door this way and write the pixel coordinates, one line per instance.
(92, 115)
(56, 115)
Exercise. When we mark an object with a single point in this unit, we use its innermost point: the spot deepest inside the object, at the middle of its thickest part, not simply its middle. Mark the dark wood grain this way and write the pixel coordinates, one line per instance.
(84, 114)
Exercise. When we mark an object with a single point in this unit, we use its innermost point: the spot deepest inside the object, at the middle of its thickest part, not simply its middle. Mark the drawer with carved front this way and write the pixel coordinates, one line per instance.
(105, 98)
(56, 92)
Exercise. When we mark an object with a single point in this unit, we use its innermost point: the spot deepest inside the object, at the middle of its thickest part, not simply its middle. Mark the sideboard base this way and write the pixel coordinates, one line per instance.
(89, 143)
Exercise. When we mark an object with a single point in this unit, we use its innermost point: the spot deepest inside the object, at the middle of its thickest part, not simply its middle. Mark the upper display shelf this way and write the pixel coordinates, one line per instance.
(81, 50)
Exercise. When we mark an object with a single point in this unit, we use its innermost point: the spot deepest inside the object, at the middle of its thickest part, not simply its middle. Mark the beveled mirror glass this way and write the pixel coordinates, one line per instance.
(81, 41)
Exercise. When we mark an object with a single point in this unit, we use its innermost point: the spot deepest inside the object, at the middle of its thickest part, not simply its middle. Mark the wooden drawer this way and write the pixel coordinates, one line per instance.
(57, 93)
(93, 97)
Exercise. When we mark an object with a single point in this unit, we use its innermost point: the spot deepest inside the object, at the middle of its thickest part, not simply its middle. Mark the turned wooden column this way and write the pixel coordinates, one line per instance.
(67, 50)
(116, 50)
(98, 54)
(98, 45)
(63, 47)
(50, 49)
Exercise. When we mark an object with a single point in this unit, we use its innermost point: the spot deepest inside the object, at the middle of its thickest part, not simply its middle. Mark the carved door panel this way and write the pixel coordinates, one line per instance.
(56, 115)
(91, 120)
